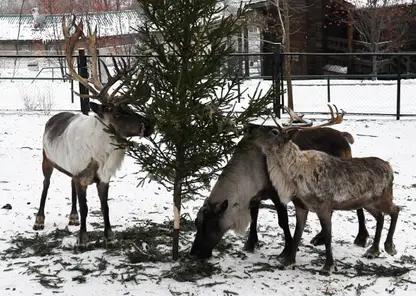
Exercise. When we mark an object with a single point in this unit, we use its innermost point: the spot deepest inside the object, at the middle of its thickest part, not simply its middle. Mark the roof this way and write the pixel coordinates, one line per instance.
(379, 3)
(21, 27)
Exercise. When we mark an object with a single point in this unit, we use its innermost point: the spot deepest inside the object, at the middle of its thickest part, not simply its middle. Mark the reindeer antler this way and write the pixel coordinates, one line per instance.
(295, 118)
(97, 89)
(332, 121)
(70, 42)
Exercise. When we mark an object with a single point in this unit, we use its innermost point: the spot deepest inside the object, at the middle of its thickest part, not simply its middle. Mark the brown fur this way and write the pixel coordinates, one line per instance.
(322, 183)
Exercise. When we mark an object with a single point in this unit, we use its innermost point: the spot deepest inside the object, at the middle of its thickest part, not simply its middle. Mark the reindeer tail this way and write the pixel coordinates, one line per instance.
(348, 137)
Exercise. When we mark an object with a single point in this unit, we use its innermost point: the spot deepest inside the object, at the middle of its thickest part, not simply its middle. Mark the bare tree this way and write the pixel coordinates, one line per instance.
(382, 25)
(283, 20)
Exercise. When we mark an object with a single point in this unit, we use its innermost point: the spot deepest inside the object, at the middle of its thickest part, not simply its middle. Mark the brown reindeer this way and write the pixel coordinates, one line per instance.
(318, 182)
(78, 145)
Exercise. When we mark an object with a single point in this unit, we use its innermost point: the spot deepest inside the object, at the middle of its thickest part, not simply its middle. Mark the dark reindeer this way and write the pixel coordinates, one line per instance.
(244, 182)
(318, 182)
(78, 146)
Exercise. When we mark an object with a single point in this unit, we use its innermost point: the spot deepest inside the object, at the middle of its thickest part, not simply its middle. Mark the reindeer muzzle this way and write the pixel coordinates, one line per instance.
(147, 130)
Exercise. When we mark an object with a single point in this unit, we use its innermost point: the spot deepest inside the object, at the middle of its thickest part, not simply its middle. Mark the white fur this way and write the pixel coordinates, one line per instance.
(85, 140)
(284, 188)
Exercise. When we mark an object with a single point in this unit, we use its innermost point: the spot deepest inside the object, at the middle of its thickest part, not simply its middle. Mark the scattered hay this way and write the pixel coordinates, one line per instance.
(380, 270)
(38, 245)
(409, 259)
(191, 271)
(48, 280)
(146, 242)
(263, 266)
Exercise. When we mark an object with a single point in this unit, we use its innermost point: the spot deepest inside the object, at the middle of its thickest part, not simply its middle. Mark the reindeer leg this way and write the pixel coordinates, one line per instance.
(388, 244)
(253, 239)
(362, 236)
(73, 216)
(325, 220)
(290, 257)
(81, 190)
(47, 169)
(284, 224)
(319, 239)
(102, 189)
(374, 250)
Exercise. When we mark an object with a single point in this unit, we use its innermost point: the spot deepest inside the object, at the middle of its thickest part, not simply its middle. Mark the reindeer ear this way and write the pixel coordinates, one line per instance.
(97, 109)
(291, 134)
(248, 128)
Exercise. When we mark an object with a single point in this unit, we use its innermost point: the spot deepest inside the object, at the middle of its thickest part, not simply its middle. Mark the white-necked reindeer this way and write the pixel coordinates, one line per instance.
(78, 146)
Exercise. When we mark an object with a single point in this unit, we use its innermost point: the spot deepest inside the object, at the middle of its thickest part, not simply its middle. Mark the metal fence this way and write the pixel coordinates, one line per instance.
(347, 80)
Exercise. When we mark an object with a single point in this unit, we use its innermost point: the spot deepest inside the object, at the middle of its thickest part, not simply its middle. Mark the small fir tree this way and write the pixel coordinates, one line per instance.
(192, 95)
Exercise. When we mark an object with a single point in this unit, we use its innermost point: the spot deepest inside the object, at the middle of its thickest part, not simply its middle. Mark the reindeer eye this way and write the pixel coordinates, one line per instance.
(274, 132)
(117, 114)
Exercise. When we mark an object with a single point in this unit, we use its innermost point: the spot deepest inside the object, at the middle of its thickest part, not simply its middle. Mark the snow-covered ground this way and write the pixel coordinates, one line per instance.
(355, 96)
(66, 271)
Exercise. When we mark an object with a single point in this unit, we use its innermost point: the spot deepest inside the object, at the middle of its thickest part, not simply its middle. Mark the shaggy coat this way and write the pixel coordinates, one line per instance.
(245, 181)
(318, 182)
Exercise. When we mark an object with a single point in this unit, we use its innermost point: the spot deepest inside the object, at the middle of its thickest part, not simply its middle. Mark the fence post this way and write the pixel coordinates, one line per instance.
(72, 91)
(282, 82)
(328, 85)
(276, 79)
(246, 50)
(83, 72)
(399, 78)
(99, 66)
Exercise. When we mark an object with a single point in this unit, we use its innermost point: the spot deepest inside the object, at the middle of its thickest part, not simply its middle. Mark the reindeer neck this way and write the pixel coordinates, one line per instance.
(287, 158)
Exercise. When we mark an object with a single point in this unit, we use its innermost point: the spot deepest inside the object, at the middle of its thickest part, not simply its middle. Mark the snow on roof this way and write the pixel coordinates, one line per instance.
(380, 3)
(21, 27)
(335, 69)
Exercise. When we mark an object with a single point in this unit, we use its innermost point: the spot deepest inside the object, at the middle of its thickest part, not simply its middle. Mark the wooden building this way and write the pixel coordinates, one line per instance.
(22, 35)
(325, 26)
(306, 25)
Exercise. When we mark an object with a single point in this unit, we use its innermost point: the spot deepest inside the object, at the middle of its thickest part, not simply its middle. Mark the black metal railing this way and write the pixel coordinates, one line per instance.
(361, 83)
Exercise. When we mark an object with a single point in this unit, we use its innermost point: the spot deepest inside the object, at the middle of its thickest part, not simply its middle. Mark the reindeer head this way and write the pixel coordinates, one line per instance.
(114, 109)
(126, 122)
(209, 229)
(270, 138)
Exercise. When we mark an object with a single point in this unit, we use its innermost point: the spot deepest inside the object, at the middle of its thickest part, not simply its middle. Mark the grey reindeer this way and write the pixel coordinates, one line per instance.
(318, 182)
(244, 182)
(78, 145)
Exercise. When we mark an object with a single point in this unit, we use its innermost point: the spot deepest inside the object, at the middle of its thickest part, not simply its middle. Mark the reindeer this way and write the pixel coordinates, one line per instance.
(78, 145)
(318, 182)
(244, 182)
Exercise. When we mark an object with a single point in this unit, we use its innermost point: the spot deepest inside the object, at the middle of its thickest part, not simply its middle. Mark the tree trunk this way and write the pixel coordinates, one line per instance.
(288, 76)
(374, 43)
(177, 196)
(288, 59)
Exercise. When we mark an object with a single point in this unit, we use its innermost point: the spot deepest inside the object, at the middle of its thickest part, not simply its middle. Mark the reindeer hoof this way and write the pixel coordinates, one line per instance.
(361, 239)
(285, 253)
(73, 220)
(82, 240)
(109, 236)
(318, 240)
(288, 262)
(249, 246)
(39, 223)
(390, 249)
(328, 269)
(372, 253)
(38, 227)
(287, 266)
